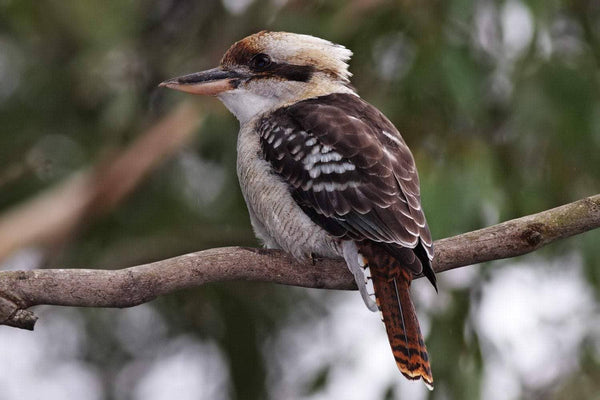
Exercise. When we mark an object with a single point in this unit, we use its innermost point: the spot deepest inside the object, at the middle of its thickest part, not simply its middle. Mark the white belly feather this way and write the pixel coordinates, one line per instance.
(276, 218)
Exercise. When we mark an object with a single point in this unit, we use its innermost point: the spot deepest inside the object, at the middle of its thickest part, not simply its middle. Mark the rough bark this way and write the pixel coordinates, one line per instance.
(128, 287)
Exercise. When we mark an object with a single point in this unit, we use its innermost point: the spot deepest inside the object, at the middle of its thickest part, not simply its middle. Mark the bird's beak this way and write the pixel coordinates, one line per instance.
(210, 82)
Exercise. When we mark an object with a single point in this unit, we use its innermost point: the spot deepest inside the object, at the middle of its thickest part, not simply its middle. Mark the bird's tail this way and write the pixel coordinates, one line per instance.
(391, 282)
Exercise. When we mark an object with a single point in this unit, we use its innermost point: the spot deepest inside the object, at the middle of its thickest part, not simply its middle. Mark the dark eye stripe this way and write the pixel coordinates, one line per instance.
(290, 72)
(300, 73)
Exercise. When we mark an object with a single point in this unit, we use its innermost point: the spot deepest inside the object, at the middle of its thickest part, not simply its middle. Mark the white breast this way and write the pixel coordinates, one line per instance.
(276, 218)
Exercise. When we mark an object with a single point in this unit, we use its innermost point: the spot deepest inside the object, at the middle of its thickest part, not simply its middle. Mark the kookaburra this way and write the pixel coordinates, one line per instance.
(324, 173)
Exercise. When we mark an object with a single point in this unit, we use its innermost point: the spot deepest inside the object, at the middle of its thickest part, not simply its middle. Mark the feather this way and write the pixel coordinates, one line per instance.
(391, 282)
(350, 170)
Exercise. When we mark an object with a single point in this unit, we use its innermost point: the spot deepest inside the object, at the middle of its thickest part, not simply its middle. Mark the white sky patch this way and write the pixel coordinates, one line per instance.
(46, 364)
(517, 27)
(236, 7)
(460, 278)
(496, 376)
(26, 258)
(544, 43)
(504, 33)
(486, 28)
(200, 181)
(394, 55)
(352, 340)
(531, 321)
(185, 369)
(140, 329)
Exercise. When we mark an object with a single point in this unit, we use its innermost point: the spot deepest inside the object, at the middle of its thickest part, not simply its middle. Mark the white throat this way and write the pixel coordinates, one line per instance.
(245, 105)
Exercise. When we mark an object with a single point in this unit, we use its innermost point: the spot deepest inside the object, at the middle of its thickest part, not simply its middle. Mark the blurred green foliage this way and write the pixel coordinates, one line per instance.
(500, 102)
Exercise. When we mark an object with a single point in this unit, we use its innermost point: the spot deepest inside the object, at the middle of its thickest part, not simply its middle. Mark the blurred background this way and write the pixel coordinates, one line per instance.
(499, 100)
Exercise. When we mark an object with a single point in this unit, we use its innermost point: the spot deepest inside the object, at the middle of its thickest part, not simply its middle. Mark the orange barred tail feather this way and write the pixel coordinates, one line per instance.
(391, 282)
(401, 324)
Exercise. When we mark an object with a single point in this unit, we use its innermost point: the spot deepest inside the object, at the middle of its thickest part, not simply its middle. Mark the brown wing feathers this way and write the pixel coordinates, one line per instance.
(349, 169)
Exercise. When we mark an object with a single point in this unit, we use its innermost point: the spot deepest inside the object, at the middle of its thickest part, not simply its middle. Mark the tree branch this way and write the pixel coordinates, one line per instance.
(128, 287)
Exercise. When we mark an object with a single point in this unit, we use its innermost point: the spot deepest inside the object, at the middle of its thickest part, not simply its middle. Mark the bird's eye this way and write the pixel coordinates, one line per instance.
(260, 62)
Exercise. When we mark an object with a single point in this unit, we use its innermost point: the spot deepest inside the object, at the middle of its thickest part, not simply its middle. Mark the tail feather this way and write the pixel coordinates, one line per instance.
(392, 282)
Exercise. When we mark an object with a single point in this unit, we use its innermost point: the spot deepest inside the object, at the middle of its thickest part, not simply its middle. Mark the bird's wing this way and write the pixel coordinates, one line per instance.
(351, 172)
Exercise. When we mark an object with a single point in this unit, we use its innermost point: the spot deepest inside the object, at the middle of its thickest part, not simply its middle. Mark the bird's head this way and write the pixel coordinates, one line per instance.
(269, 70)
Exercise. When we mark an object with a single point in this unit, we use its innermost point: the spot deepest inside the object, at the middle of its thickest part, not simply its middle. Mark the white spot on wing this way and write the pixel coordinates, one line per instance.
(393, 138)
(348, 166)
(331, 186)
(314, 173)
(389, 153)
